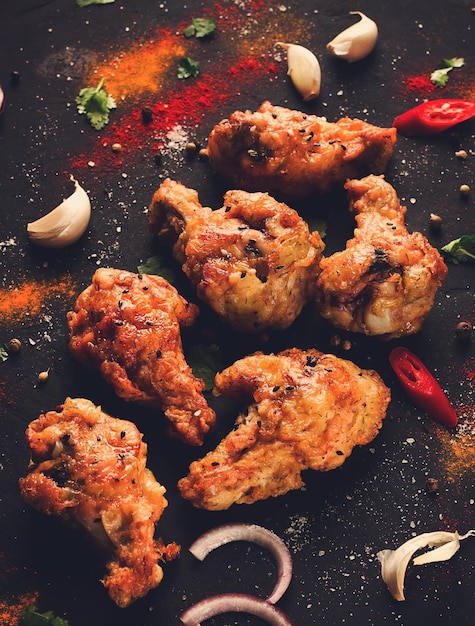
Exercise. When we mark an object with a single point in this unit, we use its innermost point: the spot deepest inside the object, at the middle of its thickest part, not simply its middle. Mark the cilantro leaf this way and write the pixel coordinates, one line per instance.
(156, 265)
(95, 103)
(187, 67)
(85, 3)
(3, 353)
(205, 361)
(461, 250)
(31, 617)
(317, 224)
(440, 75)
(200, 27)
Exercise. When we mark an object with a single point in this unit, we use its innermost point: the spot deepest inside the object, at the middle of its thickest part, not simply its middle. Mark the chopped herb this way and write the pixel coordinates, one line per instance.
(205, 361)
(155, 265)
(461, 250)
(317, 224)
(440, 75)
(95, 103)
(187, 68)
(3, 353)
(31, 617)
(200, 27)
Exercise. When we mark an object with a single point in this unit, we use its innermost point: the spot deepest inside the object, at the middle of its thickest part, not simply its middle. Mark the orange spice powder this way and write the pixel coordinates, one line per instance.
(30, 298)
(141, 69)
(458, 448)
(10, 609)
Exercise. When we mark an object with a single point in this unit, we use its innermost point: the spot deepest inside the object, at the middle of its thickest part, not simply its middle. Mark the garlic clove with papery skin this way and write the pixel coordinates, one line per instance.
(394, 562)
(65, 224)
(356, 41)
(303, 69)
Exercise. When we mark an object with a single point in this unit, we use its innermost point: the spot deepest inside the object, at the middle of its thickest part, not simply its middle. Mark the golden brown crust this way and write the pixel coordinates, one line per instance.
(90, 470)
(308, 410)
(288, 152)
(127, 326)
(384, 282)
(253, 261)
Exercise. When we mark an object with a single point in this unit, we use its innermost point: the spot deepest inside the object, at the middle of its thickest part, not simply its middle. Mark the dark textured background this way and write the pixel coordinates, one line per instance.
(335, 526)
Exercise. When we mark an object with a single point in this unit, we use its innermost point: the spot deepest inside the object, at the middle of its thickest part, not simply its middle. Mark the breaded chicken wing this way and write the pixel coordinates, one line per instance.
(308, 410)
(288, 152)
(254, 261)
(384, 282)
(90, 470)
(127, 326)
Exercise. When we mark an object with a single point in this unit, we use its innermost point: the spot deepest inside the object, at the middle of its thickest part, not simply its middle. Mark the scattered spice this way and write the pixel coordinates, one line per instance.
(30, 298)
(10, 609)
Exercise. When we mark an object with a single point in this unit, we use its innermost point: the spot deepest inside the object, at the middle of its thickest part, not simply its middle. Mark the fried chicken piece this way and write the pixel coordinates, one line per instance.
(90, 470)
(308, 411)
(127, 326)
(254, 261)
(291, 153)
(384, 282)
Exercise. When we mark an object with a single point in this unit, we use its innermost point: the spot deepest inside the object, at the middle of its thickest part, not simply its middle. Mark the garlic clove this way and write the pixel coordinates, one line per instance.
(303, 69)
(65, 224)
(394, 562)
(356, 41)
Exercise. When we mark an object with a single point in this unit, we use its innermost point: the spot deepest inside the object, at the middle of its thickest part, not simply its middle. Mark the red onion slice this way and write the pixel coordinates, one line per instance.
(221, 535)
(234, 603)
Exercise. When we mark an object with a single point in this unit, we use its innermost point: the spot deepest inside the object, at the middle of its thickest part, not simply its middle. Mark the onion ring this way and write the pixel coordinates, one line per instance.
(234, 603)
(227, 533)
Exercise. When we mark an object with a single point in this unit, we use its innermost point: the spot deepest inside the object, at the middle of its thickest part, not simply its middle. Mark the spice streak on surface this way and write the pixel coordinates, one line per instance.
(139, 70)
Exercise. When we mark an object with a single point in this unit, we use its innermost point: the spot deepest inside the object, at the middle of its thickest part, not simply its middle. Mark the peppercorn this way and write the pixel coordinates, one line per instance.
(464, 190)
(147, 115)
(14, 345)
(463, 330)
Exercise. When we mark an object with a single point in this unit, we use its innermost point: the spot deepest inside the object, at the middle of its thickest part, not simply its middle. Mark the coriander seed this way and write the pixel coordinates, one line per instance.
(14, 345)
(465, 190)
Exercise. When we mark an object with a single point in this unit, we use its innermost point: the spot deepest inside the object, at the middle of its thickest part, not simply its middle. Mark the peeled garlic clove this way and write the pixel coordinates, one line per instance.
(394, 562)
(303, 69)
(357, 41)
(65, 224)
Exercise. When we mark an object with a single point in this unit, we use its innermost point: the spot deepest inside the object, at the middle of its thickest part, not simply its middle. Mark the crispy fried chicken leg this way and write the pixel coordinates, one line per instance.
(384, 282)
(308, 410)
(254, 261)
(128, 327)
(294, 154)
(90, 470)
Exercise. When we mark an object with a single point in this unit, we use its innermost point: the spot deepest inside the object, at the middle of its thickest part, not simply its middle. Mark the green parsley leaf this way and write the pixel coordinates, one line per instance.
(85, 3)
(95, 103)
(317, 224)
(156, 265)
(3, 353)
(440, 75)
(205, 361)
(461, 250)
(31, 617)
(187, 67)
(200, 27)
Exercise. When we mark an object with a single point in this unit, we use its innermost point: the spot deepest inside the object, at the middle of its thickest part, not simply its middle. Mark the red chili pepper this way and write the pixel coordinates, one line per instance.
(421, 387)
(434, 116)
